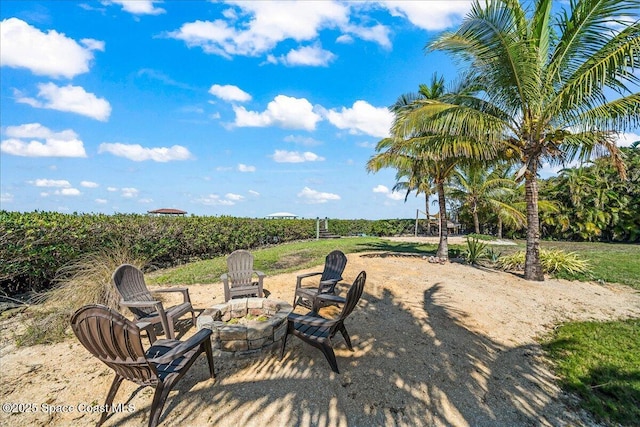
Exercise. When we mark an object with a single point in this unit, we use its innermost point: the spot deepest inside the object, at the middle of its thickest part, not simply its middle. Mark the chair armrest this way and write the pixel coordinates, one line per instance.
(330, 298)
(185, 292)
(155, 304)
(310, 320)
(182, 348)
(259, 273)
(304, 276)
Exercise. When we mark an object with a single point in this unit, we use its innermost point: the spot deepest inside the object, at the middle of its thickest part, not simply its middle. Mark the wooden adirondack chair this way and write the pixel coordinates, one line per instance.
(238, 281)
(318, 331)
(334, 266)
(115, 341)
(136, 297)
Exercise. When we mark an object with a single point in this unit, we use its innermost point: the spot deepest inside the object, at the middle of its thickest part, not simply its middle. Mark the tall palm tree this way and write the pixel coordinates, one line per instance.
(409, 153)
(405, 155)
(548, 87)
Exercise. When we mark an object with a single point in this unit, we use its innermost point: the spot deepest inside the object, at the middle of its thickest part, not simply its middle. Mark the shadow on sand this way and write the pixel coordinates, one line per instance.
(423, 369)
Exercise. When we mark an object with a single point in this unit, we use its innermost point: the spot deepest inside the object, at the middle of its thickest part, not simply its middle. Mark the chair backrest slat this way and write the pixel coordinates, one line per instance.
(334, 266)
(353, 295)
(240, 268)
(115, 341)
(130, 284)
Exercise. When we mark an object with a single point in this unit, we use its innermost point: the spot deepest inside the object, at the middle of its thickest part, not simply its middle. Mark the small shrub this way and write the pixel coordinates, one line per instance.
(555, 261)
(475, 250)
(492, 255)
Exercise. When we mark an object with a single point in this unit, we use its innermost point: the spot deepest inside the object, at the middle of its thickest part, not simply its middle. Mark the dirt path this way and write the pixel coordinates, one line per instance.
(435, 345)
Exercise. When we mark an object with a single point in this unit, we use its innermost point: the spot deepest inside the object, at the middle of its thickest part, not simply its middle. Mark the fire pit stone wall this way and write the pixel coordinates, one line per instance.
(248, 337)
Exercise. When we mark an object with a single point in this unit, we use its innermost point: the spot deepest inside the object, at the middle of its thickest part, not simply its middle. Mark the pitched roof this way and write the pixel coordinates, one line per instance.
(167, 211)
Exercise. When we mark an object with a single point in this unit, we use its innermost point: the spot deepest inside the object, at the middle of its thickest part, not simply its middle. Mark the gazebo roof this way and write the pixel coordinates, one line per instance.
(167, 211)
(282, 215)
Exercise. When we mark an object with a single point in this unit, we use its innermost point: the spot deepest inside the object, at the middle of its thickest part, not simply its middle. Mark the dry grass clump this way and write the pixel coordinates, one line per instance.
(85, 281)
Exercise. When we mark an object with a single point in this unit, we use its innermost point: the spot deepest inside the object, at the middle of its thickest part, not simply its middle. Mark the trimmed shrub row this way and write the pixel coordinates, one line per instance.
(35, 245)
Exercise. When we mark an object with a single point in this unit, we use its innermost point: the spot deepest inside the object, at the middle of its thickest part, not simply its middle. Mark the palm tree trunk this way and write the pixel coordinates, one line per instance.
(532, 267)
(443, 246)
(499, 227)
(476, 221)
(426, 212)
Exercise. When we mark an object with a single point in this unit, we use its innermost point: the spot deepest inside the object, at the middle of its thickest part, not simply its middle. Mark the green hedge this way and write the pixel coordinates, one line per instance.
(33, 246)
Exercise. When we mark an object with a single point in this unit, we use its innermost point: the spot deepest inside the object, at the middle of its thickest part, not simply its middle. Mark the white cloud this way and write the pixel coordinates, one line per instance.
(390, 194)
(147, 201)
(316, 197)
(314, 56)
(60, 183)
(283, 111)
(6, 198)
(214, 200)
(138, 153)
(234, 197)
(101, 201)
(89, 184)
(283, 156)
(381, 189)
(129, 192)
(140, 7)
(362, 118)
(68, 192)
(302, 140)
(259, 26)
(112, 189)
(45, 54)
(43, 142)
(73, 99)
(246, 168)
(432, 15)
(229, 93)
(377, 33)
(626, 139)
(254, 193)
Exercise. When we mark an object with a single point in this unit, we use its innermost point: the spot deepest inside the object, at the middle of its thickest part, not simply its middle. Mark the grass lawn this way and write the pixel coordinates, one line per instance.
(284, 258)
(600, 362)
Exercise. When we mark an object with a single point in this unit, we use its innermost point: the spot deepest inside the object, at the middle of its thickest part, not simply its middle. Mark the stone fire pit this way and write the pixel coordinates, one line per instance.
(245, 326)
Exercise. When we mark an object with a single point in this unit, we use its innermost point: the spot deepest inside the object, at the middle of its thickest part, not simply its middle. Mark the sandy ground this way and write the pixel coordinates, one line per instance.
(435, 345)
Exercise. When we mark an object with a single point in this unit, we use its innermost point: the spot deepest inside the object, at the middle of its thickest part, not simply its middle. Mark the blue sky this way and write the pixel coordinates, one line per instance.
(215, 108)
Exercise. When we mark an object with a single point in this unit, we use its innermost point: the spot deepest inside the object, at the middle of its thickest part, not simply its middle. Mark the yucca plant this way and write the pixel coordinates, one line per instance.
(475, 250)
(87, 280)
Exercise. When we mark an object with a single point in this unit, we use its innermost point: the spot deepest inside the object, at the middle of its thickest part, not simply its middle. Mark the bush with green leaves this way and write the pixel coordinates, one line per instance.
(553, 261)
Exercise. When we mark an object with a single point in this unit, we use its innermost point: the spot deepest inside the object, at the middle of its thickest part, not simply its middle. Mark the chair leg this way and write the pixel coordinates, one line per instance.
(110, 396)
(345, 335)
(193, 317)
(284, 342)
(209, 352)
(159, 398)
(327, 350)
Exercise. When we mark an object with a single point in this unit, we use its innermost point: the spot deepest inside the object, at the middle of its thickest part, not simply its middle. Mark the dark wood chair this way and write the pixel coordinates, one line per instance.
(318, 331)
(148, 311)
(238, 281)
(334, 266)
(115, 341)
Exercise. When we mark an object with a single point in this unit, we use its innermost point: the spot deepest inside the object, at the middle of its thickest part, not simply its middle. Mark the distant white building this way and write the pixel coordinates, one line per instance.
(282, 215)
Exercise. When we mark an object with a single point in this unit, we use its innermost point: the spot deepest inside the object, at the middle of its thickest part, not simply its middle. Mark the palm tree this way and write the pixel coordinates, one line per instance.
(478, 186)
(410, 156)
(406, 155)
(544, 86)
